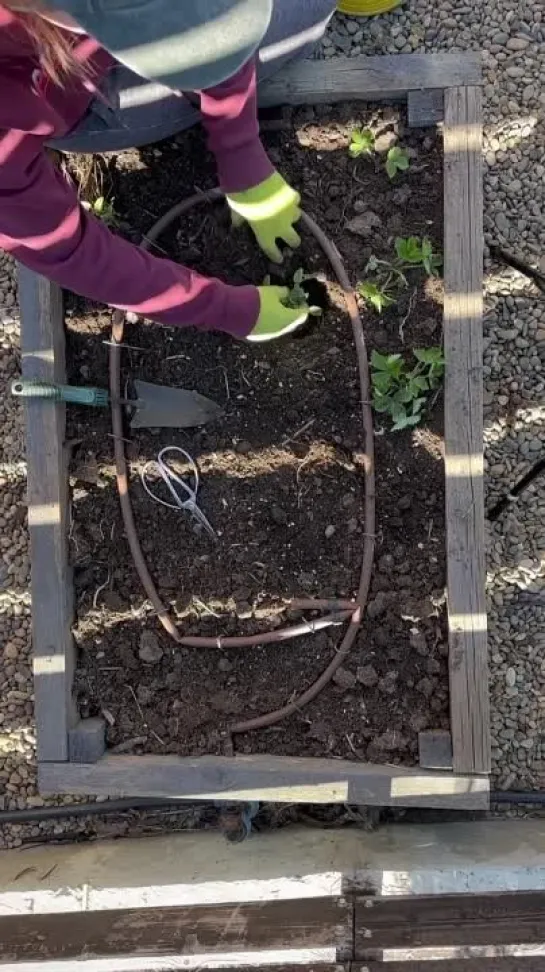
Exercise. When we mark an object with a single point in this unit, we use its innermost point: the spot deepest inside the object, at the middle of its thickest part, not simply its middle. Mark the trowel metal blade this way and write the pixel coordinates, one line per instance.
(159, 406)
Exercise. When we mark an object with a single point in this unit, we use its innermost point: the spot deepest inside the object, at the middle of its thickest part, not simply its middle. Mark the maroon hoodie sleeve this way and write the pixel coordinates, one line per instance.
(229, 113)
(43, 224)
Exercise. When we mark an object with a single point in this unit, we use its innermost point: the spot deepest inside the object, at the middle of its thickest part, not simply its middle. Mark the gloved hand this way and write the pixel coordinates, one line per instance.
(271, 209)
(275, 319)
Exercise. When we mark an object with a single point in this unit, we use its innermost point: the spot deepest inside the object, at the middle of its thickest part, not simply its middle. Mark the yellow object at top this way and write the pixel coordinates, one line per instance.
(366, 8)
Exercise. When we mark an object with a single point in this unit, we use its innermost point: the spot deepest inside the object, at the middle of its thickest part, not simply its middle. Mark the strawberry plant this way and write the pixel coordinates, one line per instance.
(400, 392)
(413, 252)
(298, 296)
(376, 295)
(104, 210)
(362, 142)
(397, 160)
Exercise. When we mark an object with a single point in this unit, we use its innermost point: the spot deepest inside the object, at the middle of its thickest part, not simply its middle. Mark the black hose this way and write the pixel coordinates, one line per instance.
(536, 797)
(36, 814)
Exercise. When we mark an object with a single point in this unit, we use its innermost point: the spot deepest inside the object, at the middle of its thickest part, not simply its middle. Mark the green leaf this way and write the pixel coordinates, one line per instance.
(362, 142)
(404, 395)
(430, 260)
(381, 404)
(373, 294)
(391, 363)
(298, 276)
(429, 356)
(382, 381)
(404, 422)
(397, 160)
(409, 250)
(418, 383)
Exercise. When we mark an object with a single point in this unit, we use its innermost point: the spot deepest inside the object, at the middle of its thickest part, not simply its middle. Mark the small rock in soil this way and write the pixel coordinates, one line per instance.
(150, 651)
(392, 739)
(425, 686)
(329, 531)
(377, 606)
(144, 694)
(344, 679)
(364, 224)
(224, 665)
(367, 676)
(388, 684)
(417, 640)
(385, 141)
(243, 447)
(278, 515)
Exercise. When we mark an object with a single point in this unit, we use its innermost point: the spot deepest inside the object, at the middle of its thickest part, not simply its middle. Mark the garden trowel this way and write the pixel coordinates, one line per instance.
(155, 406)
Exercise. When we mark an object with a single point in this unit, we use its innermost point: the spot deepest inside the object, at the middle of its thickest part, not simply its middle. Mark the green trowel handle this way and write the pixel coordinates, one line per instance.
(60, 393)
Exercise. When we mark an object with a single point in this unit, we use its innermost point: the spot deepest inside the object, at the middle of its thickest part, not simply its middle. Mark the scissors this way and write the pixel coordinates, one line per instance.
(177, 487)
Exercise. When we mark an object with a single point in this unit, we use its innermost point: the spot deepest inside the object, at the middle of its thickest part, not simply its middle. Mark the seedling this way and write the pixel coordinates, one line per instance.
(402, 393)
(362, 143)
(298, 296)
(397, 160)
(387, 277)
(104, 210)
(413, 252)
(376, 295)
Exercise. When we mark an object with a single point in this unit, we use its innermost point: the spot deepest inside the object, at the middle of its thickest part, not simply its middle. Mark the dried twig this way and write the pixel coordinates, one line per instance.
(143, 718)
(410, 308)
(299, 432)
(100, 589)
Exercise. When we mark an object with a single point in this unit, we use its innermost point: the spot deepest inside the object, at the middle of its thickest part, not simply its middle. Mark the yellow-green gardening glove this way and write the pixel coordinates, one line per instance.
(275, 319)
(271, 209)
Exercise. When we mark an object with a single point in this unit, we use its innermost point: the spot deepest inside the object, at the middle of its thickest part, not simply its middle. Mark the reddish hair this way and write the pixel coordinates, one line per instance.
(53, 45)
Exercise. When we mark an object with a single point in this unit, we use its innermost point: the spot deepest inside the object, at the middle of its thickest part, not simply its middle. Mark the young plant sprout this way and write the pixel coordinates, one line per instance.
(413, 252)
(387, 277)
(103, 209)
(397, 160)
(400, 392)
(298, 295)
(362, 142)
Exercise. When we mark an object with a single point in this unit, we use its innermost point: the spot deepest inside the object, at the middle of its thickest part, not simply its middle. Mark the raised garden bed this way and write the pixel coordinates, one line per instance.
(283, 483)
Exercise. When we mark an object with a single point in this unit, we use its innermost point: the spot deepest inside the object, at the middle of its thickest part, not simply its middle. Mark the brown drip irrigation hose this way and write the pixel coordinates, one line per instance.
(339, 610)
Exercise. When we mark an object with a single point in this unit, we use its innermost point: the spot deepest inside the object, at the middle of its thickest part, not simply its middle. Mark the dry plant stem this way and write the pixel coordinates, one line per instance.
(340, 610)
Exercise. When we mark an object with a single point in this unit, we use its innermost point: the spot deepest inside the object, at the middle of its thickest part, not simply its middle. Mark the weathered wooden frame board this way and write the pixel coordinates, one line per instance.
(378, 78)
(69, 751)
(464, 465)
(42, 349)
(272, 778)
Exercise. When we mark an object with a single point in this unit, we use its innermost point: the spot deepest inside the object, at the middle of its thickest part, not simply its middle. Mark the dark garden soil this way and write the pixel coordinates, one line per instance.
(282, 476)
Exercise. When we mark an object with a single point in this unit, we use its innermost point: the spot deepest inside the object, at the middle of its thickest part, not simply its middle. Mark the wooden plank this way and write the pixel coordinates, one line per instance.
(274, 778)
(302, 923)
(435, 749)
(463, 218)
(42, 345)
(419, 921)
(369, 78)
(501, 963)
(425, 108)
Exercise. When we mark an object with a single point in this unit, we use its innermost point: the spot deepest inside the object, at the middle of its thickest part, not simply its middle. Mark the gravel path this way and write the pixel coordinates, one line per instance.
(512, 37)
